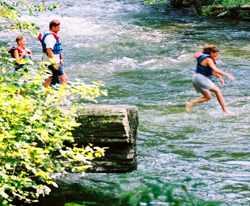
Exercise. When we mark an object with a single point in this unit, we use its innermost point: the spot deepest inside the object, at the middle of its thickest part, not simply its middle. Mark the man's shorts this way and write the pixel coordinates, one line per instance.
(56, 73)
(201, 83)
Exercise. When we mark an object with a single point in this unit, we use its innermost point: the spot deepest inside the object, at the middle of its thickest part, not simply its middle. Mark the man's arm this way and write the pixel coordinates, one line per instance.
(51, 56)
(50, 43)
(62, 58)
(50, 53)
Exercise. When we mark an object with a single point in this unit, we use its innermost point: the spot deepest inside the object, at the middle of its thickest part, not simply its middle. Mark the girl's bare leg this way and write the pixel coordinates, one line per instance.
(204, 98)
(220, 99)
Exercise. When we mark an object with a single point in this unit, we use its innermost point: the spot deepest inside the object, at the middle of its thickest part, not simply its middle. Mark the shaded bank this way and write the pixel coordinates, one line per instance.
(93, 190)
(220, 8)
(237, 12)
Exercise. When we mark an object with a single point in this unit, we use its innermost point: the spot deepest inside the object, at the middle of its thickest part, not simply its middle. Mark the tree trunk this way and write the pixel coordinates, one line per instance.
(176, 3)
(198, 6)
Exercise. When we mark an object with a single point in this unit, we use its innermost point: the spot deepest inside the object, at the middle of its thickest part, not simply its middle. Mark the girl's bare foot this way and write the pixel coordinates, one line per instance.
(228, 113)
(189, 107)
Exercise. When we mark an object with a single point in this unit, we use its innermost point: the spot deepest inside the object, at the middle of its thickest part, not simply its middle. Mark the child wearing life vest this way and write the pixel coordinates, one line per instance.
(21, 54)
(202, 78)
(199, 54)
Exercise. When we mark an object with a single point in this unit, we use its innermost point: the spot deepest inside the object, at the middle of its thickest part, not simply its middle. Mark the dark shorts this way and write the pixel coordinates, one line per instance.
(18, 66)
(56, 73)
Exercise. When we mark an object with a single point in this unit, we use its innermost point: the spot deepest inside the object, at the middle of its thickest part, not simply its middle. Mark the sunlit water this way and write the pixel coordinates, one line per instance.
(145, 58)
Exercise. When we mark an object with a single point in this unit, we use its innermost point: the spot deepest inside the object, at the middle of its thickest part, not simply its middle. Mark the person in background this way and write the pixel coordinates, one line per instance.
(52, 49)
(21, 54)
(202, 79)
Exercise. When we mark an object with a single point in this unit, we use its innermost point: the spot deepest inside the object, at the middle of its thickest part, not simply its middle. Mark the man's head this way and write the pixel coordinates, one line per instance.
(20, 40)
(212, 50)
(54, 26)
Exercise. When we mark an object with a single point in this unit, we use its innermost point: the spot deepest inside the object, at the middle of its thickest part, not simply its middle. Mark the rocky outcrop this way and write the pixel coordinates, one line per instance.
(113, 127)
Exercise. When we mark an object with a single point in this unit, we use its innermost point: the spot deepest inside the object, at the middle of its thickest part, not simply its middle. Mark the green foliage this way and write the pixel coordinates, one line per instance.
(151, 191)
(8, 12)
(25, 26)
(230, 8)
(233, 3)
(36, 122)
(173, 194)
(42, 7)
(155, 1)
(11, 11)
(73, 204)
(31, 6)
(34, 126)
(214, 7)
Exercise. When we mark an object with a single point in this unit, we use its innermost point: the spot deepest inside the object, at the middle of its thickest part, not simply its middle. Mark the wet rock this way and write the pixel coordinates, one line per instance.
(111, 126)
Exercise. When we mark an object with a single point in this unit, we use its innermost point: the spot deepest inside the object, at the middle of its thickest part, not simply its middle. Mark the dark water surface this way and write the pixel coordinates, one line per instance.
(145, 58)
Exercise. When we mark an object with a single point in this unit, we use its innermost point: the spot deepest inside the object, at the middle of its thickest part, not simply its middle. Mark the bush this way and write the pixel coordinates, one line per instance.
(35, 124)
(233, 3)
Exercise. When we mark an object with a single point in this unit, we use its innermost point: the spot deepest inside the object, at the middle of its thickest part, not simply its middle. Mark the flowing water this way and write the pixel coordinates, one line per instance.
(145, 58)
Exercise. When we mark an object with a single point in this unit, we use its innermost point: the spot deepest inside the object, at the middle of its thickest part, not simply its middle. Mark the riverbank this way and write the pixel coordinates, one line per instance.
(236, 10)
(240, 12)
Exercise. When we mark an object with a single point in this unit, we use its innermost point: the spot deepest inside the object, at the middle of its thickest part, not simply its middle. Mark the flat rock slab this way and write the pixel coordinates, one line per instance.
(111, 126)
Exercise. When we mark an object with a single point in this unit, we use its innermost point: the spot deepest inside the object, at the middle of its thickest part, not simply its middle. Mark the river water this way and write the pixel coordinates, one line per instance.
(145, 58)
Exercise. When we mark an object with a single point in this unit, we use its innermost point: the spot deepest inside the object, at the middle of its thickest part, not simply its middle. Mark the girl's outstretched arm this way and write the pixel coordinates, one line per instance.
(217, 71)
(220, 77)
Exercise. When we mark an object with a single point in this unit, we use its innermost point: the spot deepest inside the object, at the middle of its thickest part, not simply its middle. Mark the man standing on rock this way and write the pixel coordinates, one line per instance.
(52, 49)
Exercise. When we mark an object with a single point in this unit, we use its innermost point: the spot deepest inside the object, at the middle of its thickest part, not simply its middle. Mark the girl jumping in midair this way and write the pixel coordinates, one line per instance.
(206, 68)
